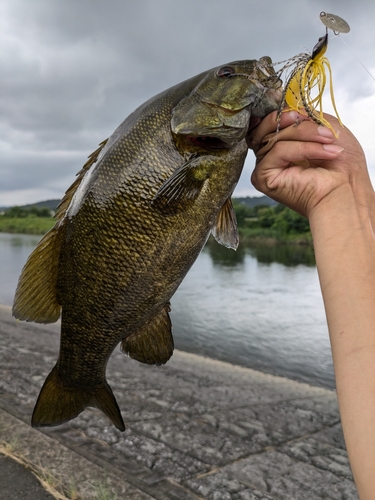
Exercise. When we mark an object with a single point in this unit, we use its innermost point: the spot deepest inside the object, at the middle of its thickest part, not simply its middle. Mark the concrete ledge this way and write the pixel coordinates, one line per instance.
(196, 428)
(66, 466)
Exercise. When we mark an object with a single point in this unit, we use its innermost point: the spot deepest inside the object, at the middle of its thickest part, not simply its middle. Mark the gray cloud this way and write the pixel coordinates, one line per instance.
(74, 70)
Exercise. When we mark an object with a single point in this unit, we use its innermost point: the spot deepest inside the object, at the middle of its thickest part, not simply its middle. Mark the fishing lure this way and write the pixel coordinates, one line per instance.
(335, 23)
(307, 76)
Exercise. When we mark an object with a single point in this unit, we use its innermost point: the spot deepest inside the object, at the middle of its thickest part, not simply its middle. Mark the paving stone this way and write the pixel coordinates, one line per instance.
(286, 420)
(63, 465)
(321, 455)
(332, 435)
(222, 486)
(288, 479)
(196, 428)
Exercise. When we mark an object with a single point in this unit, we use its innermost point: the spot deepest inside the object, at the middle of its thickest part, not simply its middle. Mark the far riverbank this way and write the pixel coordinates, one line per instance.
(248, 235)
(259, 307)
(259, 220)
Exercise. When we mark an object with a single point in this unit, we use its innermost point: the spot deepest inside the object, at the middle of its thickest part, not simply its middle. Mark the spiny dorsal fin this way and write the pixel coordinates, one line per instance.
(35, 298)
(65, 202)
(153, 343)
(225, 230)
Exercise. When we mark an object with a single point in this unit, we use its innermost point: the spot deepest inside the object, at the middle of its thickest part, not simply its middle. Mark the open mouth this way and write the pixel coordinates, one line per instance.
(214, 143)
(207, 142)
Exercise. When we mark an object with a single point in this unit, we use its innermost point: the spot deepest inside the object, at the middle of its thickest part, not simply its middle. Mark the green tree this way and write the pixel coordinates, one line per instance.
(15, 212)
(266, 217)
(243, 212)
(289, 222)
(40, 212)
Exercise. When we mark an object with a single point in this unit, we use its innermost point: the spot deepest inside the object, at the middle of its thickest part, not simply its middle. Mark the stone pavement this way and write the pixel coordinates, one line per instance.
(195, 429)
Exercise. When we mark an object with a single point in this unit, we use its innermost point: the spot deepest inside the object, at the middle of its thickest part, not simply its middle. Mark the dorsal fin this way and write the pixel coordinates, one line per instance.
(65, 202)
(35, 298)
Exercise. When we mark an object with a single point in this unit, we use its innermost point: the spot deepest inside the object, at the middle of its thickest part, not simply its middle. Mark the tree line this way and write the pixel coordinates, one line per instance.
(278, 218)
(260, 221)
(21, 212)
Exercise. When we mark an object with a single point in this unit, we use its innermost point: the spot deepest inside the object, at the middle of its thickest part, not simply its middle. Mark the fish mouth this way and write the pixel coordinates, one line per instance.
(212, 142)
(206, 142)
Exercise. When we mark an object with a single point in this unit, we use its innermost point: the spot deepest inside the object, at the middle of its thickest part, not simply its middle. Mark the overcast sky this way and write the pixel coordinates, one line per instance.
(72, 70)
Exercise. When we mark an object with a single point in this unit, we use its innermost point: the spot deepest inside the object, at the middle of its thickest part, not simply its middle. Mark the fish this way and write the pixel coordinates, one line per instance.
(132, 224)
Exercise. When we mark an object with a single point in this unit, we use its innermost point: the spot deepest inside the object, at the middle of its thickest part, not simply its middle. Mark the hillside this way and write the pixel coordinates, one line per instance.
(249, 201)
(50, 204)
(253, 201)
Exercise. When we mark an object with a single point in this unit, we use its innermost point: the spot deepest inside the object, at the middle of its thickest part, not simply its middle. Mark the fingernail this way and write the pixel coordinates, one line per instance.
(331, 148)
(293, 115)
(325, 132)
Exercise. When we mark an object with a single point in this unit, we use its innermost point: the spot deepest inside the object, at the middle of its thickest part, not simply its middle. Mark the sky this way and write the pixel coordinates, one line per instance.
(72, 70)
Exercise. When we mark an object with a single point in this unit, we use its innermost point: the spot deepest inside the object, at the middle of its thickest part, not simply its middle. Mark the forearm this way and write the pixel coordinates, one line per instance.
(326, 179)
(342, 227)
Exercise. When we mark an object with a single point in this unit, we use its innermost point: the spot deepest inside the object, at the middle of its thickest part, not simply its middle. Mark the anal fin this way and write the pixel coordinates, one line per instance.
(225, 230)
(153, 343)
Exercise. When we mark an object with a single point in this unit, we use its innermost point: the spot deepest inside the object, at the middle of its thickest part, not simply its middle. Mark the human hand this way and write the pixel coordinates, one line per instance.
(326, 179)
(305, 164)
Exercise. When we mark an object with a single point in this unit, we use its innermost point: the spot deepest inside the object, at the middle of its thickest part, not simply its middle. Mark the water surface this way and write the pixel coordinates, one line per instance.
(258, 307)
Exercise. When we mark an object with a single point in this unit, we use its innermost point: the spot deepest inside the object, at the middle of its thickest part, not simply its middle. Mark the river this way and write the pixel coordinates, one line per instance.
(259, 307)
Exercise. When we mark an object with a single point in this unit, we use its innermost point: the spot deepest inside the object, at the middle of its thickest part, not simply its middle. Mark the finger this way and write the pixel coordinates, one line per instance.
(281, 177)
(307, 131)
(269, 124)
(291, 125)
(285, 153)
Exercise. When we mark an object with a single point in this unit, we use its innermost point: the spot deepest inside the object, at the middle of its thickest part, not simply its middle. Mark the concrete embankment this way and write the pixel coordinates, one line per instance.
(195, 428)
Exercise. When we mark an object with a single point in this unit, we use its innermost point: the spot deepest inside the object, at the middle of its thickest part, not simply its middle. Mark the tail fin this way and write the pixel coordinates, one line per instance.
(57, 404)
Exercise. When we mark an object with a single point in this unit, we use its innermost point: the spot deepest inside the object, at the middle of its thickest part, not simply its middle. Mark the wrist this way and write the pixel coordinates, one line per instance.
(346, 207)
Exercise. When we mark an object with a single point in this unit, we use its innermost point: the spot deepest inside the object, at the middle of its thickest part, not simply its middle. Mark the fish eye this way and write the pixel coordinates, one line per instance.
(225, 72)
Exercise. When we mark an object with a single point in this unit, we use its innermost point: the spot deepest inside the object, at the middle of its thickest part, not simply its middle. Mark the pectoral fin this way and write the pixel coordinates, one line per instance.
(182, 188)
(153, 344)
(225, 230)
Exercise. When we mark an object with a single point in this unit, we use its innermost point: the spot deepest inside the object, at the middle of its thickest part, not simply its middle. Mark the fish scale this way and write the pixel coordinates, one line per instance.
(131, 226)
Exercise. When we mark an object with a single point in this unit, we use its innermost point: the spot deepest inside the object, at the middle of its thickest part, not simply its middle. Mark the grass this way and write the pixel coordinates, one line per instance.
(54, 486)
(41, 225)
(49, 483)
(273, 236)
(103, 493)
(26, 225)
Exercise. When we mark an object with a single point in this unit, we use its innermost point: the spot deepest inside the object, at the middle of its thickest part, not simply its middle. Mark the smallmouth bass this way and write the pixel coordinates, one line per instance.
(131, 226)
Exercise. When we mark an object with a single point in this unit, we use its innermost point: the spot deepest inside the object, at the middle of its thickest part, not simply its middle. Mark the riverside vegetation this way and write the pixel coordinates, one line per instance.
(271, 224)
(30, 220)
(260, 223)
